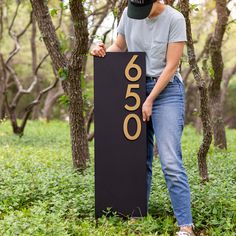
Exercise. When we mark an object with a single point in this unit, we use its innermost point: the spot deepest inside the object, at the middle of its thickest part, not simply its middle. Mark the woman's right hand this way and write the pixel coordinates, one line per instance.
(99, 50)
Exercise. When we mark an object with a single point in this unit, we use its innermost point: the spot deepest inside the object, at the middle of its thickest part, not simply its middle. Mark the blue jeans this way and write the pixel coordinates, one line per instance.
(167, 122)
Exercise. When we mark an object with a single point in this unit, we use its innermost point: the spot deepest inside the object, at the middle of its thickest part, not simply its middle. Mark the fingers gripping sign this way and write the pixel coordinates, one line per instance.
(147, 110)
(99, 50)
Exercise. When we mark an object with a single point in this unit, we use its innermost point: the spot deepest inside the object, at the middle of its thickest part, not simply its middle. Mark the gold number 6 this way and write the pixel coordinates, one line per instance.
(135, 66)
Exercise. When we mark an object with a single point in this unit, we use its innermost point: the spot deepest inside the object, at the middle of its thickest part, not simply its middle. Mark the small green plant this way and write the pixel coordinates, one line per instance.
(63, 73)
(64, 100)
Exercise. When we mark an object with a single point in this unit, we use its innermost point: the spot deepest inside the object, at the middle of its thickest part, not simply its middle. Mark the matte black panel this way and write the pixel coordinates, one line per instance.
(120, 163)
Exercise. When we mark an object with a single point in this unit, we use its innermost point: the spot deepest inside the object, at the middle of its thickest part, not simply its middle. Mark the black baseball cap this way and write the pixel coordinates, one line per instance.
(139, 9)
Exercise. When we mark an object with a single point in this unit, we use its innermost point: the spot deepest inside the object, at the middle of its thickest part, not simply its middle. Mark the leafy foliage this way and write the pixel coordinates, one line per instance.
(64, 100)
(63, 73)
(41, 194)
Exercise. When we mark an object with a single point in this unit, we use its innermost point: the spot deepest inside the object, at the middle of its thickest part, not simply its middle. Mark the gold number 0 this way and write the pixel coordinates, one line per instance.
(125, 127)
(135, 66)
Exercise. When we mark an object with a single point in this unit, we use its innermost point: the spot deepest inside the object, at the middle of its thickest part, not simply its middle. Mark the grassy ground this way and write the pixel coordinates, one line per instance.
(41, 194)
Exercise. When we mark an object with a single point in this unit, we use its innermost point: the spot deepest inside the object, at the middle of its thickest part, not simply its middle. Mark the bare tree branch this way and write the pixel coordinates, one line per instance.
(98, 24)
(217, 63)
(49, 36)
(16, 39)
(14, 17)
(188, 72)
(108, 31)
(121, 5)
(60, 18)
(98, 11)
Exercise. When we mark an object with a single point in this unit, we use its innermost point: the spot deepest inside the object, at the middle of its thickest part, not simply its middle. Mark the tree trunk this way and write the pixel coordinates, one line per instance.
(218, 122)
(2, 105)
(122, 4)
(75, 92)
(207, 133)
(218, 68)
(204, 104)
(77, 124)
(36, 109)
(71, 68)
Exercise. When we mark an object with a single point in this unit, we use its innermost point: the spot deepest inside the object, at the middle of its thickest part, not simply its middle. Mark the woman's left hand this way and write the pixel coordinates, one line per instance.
(147, 110)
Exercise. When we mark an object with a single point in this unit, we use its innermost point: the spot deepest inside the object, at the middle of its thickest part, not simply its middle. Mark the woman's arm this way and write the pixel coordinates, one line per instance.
(174, 53)
(118, 46)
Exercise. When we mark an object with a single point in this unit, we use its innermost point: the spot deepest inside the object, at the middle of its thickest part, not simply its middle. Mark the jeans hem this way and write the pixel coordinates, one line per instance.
(184, 225)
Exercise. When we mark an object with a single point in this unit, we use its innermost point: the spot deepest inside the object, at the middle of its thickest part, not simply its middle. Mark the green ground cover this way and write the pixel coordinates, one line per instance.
(41, 194)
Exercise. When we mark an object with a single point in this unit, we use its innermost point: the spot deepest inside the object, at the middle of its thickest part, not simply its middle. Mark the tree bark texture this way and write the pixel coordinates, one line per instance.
(73, 66)
(48, 32)
(204, 104)
(78, 131)
(36, 109)
(122, 4)
(218, 68)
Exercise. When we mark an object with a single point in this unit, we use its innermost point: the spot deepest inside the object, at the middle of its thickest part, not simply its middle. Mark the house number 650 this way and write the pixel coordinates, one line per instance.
(130, 93)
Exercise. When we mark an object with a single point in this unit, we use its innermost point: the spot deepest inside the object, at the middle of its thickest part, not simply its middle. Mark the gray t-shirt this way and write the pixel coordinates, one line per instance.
(152, 37)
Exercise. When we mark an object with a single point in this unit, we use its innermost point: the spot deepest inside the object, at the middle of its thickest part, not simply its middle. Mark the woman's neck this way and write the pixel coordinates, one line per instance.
(157, 9)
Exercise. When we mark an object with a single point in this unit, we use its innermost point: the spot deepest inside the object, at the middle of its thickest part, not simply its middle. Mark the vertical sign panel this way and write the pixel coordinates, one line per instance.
(120, 134)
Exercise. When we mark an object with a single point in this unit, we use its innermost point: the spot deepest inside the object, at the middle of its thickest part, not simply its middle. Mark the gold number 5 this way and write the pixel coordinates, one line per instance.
(134, 95)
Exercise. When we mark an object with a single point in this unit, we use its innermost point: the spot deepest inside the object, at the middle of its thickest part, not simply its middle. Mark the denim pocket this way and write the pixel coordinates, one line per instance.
(181, 87)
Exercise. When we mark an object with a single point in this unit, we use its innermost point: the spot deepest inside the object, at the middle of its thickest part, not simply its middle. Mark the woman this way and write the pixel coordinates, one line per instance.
(160, 31)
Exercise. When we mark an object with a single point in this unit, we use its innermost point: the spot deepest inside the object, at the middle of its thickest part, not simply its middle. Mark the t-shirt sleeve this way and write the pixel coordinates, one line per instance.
(178, 31)
(121, 25)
